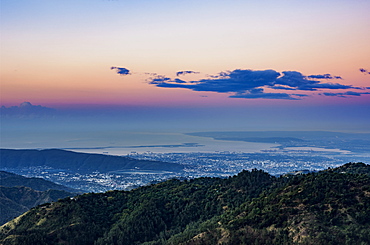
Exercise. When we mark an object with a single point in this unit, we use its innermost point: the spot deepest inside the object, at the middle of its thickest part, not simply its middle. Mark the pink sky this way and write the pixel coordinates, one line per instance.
(60, 53)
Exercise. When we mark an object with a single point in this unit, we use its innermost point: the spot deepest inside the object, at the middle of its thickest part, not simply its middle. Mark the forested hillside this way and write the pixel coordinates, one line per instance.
(18, 194)
(251, 208)
(18, 199)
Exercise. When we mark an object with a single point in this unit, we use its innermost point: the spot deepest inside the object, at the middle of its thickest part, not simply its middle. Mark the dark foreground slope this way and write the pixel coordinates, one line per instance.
(16, 200)
(78, 162)
(18, 194)
(250, 208)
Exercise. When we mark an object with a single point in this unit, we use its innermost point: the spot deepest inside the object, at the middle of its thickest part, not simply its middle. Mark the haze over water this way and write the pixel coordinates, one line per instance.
(125, 142)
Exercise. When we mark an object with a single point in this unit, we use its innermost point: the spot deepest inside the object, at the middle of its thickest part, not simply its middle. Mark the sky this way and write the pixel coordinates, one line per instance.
(187, 65)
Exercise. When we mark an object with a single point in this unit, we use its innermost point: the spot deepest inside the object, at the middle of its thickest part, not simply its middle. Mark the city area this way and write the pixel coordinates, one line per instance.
(196, 164)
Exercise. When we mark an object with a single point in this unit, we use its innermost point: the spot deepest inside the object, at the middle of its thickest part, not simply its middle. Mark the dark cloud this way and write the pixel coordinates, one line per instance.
(265, 96)
(246, 83)
(283, 87)
(348, 93)
(186, 72)
(250, 83)
(235, 81)
(159, 79)
(300, 95)
(260, 94)
(26, 110)
(314, 87)
(324, 76)
(364, 71)
(294, 80)
(121, 71)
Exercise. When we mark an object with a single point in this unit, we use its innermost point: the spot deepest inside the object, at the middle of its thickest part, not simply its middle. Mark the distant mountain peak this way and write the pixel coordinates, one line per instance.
(26, 104)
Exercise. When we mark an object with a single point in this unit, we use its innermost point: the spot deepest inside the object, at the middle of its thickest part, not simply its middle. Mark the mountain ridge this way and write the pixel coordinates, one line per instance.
(78, 162)
(8, 179)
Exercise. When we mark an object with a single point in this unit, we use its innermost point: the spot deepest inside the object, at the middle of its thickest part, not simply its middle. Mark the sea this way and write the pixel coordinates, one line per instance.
(114, 142)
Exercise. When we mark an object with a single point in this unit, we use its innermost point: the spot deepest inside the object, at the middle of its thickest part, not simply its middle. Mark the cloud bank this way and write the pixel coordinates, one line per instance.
(26, 110)
(253, 84)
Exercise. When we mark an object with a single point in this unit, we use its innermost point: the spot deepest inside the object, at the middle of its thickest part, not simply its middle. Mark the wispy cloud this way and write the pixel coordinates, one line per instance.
(324, 76)
(186, 72)
(346, 94)
(121, 70)
(259, 93)
(364, 71)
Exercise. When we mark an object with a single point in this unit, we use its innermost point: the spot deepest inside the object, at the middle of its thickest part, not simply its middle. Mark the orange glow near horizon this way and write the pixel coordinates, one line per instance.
(61, 54)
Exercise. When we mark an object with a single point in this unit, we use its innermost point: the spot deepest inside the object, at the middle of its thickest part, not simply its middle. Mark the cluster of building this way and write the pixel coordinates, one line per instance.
(196, 164)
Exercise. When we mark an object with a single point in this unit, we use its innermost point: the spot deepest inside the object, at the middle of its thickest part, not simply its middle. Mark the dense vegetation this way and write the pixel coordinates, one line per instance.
(16, 200)
(327, 207)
